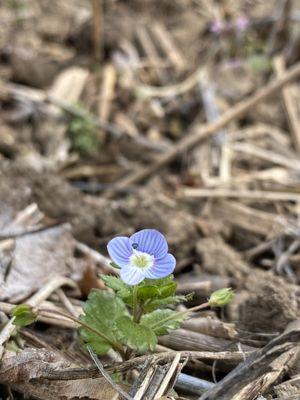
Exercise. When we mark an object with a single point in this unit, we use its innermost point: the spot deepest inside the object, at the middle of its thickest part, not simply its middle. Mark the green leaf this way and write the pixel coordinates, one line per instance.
(24, 315)
(113, 282)
(136, 336)
(100, 312)
(162, 303)
(117, 285)
(159, 282)
(167, 290)
(147, 292)
(162, 321)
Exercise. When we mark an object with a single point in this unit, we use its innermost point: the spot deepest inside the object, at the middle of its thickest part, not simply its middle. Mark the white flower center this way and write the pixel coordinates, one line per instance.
(141, 260)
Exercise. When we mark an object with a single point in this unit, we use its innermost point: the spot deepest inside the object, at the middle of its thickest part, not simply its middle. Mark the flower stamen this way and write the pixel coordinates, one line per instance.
(141, 260)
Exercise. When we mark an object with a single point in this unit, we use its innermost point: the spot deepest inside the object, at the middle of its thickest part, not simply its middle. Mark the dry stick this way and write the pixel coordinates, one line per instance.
(66, 302)
(150, 50)
(49, 288)
(292, 162)
(290, 104)
(201, 134)
(168, 377)
(166, 43)
(219, 146)
(257, 365)
(261, 195)
(34, 301)
(98, 28)
(107, 376)
(109, 80)
(147, 379)
(96, 256)
(284, 258)
(92, 372)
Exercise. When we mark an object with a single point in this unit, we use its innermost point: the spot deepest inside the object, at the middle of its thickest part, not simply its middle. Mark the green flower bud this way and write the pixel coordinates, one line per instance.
(24, 315)
(221, 297)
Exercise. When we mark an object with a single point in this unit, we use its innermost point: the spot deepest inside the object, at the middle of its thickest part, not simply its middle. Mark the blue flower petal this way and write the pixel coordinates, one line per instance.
(162, 267)
(132, 275)
(119, 250)
(150, 241)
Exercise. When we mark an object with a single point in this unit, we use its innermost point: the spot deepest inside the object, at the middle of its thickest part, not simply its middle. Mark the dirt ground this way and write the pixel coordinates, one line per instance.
(181, 116)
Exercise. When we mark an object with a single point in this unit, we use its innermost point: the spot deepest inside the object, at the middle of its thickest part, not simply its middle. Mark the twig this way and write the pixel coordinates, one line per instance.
(150, 50)
(192, 385)
(284, 258)
(166, 43)
(98, 28)
(271, 156)
(107, 376)
(66, 302)
(34, 301)
(147, 377)
(257, 365)
(261, 195)
(107, 91)
(161, 391)
(199, 134)
(181, 339)
(92, 372)
(290, 104)
(173, 90)
(280, 32)
(96, 256)
(49, 288)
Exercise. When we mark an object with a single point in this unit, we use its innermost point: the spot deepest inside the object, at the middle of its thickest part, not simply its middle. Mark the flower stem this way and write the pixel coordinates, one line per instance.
(178, 314)
(135, 304)
(116, 346)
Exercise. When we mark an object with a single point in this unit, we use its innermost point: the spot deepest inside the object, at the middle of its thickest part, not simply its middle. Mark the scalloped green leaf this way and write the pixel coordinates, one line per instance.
(136, 336)
(159, 282)
(162, 321)
(167, 290)
(113, 282)
(165, 302)
(101, 311)
(147, 292)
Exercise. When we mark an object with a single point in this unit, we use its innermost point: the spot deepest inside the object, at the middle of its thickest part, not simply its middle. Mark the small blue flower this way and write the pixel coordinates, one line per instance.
(143, 255)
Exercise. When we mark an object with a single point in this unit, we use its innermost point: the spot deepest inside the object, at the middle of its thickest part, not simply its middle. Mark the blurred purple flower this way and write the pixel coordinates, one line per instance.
(218, 26)
(143, 255)
(241, 23)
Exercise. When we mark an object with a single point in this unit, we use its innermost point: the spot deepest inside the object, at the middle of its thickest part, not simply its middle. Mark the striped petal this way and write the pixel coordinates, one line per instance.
(162, 267)
(132, 275)
(150, 241)
(120, 250)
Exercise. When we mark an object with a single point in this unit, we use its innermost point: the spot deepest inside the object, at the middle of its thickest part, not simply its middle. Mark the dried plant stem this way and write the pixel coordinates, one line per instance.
(98, 28)
(107, 376)
(199, 134)
(34, 301)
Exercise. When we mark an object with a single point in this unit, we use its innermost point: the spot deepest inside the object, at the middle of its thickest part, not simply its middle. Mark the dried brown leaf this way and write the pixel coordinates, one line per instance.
(36, 258)
(36, 372)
